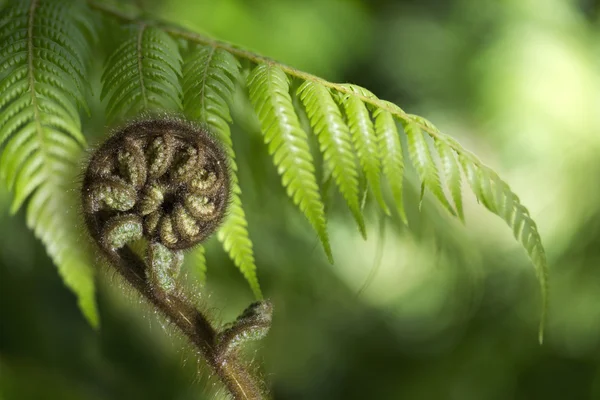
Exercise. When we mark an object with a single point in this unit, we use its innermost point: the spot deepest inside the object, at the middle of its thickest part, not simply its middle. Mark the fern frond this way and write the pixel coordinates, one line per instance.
(365, 142)
(209, 81)
(392, 160)
(142, 73)
(495, 194)
(335, 143)
(43, 60)
(288, 144)
(419, 152)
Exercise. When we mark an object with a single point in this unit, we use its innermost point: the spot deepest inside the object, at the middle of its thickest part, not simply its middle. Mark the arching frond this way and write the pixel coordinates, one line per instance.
(43, 58)
(209, 79)
(269, 93)
(495, 194)
(142, 73)
(44, 48)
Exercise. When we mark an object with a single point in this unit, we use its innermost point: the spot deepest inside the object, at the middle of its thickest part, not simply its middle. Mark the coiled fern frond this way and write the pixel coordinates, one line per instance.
(160, 67)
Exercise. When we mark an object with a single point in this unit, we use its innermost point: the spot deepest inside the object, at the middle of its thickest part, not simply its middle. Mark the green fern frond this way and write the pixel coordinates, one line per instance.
(288, 144)
(365, 143)
(495, 194)
(392, 160)
(43, 60)
(142, 73)
(209, 81)
(335, 143)
(419, 152)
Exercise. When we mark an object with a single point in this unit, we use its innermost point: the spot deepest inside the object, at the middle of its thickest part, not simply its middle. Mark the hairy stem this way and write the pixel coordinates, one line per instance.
(167, 181)
(240, 383)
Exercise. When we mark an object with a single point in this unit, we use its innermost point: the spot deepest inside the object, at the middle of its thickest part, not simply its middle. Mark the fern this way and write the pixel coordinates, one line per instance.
(452, 173)
(268, 86)
(392, 161)
(335, 143)
(363, 135)
(210, 75)
(142, 74)
(45, 51)
(421, 157)
(43, 57)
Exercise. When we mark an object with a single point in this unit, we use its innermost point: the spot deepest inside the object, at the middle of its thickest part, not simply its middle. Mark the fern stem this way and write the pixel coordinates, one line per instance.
(166, 181)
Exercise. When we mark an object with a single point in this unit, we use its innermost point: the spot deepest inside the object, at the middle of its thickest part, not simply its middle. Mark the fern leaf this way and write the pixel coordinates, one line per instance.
(335, 143)
(419, 152)
(45, 49)
(495, 194)
(452, 172)
(209, 80)
(269, 93)
(142, 73)
(392, 159)
(365, 143)
(497, 197)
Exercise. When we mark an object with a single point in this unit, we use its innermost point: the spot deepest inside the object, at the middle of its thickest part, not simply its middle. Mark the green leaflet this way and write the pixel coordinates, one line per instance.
(45, 49)
(418, 149)
(142, 74)
(365, 143)
(335, 143)
(392, 160)
(209, 80)
(269, 93)
(452, 172)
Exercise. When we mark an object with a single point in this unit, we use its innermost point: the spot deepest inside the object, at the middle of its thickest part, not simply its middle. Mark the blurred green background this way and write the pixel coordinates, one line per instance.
(437, 311)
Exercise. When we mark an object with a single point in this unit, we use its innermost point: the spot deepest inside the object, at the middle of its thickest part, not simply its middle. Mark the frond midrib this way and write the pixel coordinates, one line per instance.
(139, 42)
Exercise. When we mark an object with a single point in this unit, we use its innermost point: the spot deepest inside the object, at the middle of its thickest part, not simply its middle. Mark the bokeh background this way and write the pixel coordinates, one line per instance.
(440, 310)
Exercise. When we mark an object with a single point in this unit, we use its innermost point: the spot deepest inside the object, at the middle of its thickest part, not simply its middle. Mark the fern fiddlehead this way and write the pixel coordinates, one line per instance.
(167, 181)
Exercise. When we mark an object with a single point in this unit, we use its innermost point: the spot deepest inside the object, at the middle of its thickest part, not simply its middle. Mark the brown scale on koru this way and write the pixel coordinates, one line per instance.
(166, 176)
